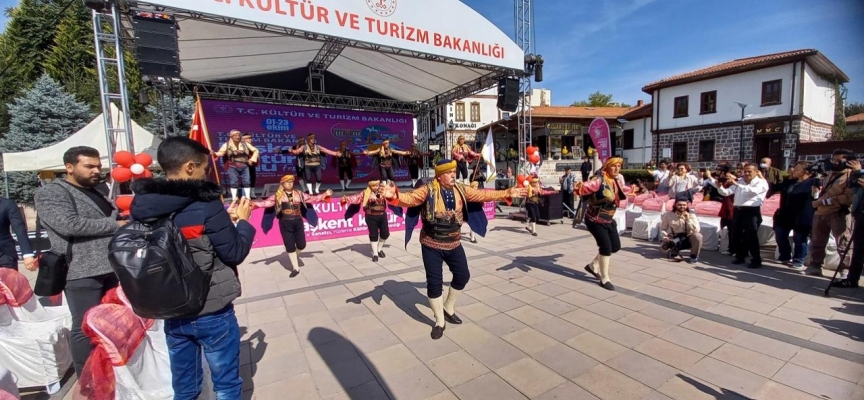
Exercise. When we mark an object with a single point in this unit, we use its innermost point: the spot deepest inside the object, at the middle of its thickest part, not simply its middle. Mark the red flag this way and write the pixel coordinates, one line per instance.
(199, 133)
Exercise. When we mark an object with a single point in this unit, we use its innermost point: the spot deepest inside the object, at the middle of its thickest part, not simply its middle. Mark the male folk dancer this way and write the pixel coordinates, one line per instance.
(291, 206)
(346, 162)
(253, 164)
(463, 155)
(443, 205)
(372, 201)
(311, 153)
(532, 203)
(385, 160)
(237, 154)
(415, 161)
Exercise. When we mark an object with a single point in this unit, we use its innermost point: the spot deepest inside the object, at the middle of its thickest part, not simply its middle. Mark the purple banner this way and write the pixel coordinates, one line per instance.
(274, 127)
(599, 131)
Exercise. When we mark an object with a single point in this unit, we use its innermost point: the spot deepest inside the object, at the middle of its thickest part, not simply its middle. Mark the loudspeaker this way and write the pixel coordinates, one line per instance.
(156, 46)
(508, 94)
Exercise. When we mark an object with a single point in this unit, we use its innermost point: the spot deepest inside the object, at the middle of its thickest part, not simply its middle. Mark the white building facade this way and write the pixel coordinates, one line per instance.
(787, 98)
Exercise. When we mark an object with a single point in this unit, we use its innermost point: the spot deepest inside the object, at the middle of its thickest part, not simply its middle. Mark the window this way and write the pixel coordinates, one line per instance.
(475, 112)
(505, 115)
(627, 139)
(460, 112)
(706, 150)
(708, 105)
(681, 105)
(771, 92)
(679, 152)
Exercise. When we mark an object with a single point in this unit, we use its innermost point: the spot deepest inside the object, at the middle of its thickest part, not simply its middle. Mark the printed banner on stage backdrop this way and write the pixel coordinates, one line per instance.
(275, 127)
(332, 224)
(599, 131)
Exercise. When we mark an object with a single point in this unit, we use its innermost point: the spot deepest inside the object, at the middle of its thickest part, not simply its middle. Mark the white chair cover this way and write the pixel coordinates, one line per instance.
(8, 382)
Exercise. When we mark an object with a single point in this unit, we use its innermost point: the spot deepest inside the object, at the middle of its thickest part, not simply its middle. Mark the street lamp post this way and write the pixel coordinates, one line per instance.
(741, 133)
(451, 129)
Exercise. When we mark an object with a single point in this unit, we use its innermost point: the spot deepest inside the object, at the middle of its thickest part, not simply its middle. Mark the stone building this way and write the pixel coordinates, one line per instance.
(778, 101)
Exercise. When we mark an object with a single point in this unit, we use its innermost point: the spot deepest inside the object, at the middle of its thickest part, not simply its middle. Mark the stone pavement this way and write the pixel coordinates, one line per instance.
(537, 326)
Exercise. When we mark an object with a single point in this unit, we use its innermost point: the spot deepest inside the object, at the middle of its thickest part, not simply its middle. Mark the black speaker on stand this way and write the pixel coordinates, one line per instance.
(156, 44)
(508, 94)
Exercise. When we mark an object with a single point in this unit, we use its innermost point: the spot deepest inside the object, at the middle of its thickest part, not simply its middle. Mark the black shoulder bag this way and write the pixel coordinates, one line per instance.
(53, 267)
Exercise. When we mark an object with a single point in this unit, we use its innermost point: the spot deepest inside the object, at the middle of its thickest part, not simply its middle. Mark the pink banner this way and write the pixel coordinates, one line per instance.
(599, 131)
(332, 224)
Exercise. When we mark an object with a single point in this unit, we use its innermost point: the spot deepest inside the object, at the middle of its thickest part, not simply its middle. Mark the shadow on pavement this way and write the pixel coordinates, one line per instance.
(359, 382)
(404, 294)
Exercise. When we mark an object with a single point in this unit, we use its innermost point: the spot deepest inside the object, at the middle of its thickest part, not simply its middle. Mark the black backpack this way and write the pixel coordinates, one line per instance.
(156, 270)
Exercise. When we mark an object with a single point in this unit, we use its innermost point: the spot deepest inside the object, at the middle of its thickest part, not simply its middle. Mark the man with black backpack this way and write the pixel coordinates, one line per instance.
(216, 240)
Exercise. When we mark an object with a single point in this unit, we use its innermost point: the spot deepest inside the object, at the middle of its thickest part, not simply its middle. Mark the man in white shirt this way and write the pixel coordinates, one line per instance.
(750, 193)
(660, 177)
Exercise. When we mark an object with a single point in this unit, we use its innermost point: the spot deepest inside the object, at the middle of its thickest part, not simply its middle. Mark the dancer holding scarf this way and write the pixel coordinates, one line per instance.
(291, 206)
(374, 206)
(603, 196)
(385, 160)
(311, 153)
(444, 205)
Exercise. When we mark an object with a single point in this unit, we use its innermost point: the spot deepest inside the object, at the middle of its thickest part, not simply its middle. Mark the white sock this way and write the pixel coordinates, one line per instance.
(604, 268)
(450, 303)
(374, 248)
(343, 184)
(437, 305)
(295, 263)
(309, 187)
(247, 192)
(233, 193)
(380, 245)
(347, 184)
(413, 183)
(317, 187)
(471, 235)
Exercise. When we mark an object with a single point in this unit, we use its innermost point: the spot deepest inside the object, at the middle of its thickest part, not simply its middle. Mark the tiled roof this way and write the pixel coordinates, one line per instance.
(819, 61)
(635, 113)
(855, 119)
(579, 112)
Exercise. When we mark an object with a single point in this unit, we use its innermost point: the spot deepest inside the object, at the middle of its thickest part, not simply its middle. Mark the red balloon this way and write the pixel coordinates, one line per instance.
(121, 174)
(144, 159)
(124, 158)
(534, 159)
(147, 174)
(123, 202)
(520, 178)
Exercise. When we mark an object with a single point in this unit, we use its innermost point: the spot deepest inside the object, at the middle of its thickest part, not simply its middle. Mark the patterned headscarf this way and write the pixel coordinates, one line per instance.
(281, 191)
(444, 166)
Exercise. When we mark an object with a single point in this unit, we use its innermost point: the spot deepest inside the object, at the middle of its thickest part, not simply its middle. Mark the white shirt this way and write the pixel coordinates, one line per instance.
(746, 195)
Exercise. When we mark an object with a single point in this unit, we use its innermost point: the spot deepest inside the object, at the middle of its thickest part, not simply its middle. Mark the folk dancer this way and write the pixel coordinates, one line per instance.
(385, 160)
(374, 206)
(291, 206)
(237, 154)
(603, 196)
(532, 203)
(299, 169)
(253, 164)
(444, 205)
(311, 153)
(347, 162)
(415, 160)
(463, 155)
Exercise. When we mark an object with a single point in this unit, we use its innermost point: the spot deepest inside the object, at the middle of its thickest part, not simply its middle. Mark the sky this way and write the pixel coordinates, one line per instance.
(619, 46)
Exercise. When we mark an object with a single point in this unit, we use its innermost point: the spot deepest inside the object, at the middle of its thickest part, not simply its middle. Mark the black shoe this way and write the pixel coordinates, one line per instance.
(533, 233)
(607, 286)
(473, 240)
(754, 265)
(845, 283)
(381, 254)
(294, 273)
(437, 332)
(453, 319)
(739, 261)
(374, 258)
(591, 271)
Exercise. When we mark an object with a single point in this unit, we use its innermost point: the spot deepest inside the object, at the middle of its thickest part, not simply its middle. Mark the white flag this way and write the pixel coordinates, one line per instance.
(488, 153)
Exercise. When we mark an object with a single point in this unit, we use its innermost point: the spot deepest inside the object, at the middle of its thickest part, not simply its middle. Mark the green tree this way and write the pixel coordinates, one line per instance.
(183, 109)
(72, 58)
(853, 108)
(44, 115)
(598, 99)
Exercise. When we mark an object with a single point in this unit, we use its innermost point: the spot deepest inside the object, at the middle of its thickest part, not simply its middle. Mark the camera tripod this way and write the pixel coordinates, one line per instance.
(839, 264)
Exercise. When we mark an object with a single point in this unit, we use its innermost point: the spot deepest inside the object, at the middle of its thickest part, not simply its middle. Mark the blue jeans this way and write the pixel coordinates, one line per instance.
(799, 238)
(218, 334)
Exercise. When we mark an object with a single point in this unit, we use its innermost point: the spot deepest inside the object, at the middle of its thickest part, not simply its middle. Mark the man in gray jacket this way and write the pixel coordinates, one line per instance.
(73, 211)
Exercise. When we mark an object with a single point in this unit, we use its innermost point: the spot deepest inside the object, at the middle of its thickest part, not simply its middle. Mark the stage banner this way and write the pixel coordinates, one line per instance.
(275, 128)
(332, 224)
(599, 131)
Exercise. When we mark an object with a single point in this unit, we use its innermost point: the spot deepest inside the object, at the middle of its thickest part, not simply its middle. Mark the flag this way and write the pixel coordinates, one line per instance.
(199, 133)
(488, 153)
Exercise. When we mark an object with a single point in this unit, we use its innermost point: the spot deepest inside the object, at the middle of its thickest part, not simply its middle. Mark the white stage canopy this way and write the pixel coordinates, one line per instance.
(93, 135)
(408, 51)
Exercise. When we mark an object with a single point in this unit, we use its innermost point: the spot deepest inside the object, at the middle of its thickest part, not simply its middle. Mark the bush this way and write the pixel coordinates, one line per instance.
(631, 175)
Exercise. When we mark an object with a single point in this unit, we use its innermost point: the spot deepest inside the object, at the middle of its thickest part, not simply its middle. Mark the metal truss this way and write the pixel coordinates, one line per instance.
(460, 92)
(181, 14)
(329, 52)
(524, 36)
(424, 135)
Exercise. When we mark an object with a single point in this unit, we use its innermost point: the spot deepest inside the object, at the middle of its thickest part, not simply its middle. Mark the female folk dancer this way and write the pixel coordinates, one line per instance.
(385, 160)
(532, 203)
(603, 197)
(463, 155)
(311, 153)
(346, 162)
(374, 206)
(443, 205)
(291, 206)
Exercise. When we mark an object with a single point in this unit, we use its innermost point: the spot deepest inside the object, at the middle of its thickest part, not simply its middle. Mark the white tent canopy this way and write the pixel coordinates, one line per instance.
(93, 135)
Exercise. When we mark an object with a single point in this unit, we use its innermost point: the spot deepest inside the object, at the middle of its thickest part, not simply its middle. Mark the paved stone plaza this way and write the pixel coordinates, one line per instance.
(537, 327)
